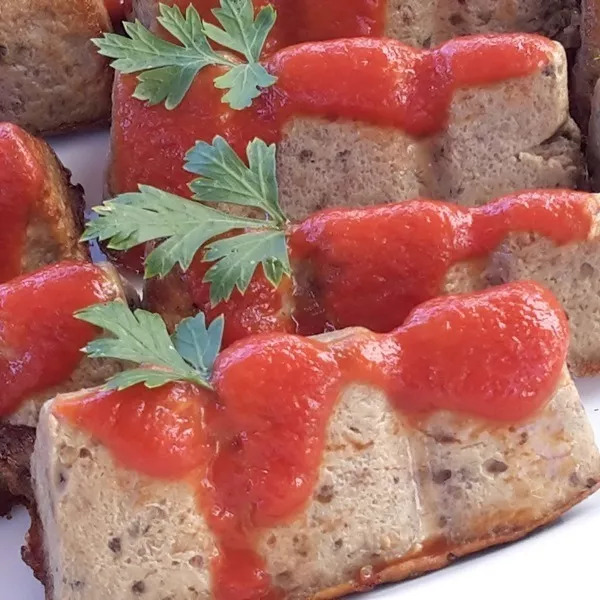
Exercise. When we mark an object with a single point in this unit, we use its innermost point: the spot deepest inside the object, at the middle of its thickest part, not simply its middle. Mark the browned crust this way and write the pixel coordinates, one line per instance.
(67, 128)
(34, 555)
(425, 562)
(16, 446)
(56, 222)
(169, 297)
(76, 198)
(585, 369)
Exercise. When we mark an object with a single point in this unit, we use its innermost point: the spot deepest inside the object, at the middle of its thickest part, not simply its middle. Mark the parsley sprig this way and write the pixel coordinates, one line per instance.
(167, 70)
(184, 227)
(141, 337)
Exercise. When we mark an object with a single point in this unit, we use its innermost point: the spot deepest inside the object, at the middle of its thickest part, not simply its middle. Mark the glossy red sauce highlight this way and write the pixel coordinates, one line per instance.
(253, 447)
(22, 178)
(379, 81)
(40, 340)
(371, 266)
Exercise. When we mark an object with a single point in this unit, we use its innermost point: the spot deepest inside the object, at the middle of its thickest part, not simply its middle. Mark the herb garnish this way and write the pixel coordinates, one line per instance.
(167, 70)
(141, 337)
(185, 226)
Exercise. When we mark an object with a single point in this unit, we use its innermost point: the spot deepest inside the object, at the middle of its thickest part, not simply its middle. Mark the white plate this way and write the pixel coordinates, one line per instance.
(559, 562)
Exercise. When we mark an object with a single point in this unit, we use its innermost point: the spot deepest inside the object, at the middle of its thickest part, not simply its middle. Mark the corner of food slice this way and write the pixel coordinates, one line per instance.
(41, 355)
(566, 262)
(42, 212)
(53, 79)
(339, 123)
(317, 467)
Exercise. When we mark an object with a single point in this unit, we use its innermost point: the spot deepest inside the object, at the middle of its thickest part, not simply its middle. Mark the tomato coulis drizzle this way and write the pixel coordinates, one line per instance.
(252, 448)
(40, 340)
(378, 81)
(21, 185)
(371, 266)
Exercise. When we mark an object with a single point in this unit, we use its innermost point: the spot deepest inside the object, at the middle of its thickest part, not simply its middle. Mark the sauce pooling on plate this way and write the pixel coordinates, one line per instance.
(40, 339)
(252, 448)
(371, 266)
(377, 81)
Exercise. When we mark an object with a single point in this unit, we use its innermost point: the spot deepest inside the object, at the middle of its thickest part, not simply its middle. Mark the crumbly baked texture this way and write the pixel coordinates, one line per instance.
(16, 446)
(392, 501)
(429, 22)
(495, 143)
(51, 77)
(587, 67)
(571, 273)
(426, 23)
(56, 217)
(17, 431)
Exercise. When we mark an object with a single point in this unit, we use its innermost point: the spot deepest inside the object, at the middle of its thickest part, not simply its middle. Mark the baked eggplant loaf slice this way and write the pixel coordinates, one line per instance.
(466, 127)
(421, 23)
(42, 212)
(316, 467)
(41, 355)
(587, 70)
(371, 266)
(51, 77)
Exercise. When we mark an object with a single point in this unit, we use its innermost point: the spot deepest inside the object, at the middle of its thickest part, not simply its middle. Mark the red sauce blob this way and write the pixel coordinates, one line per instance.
(168, 425)
(261, 308)
(371, 266)
(254, 447)
(40, 340)
(378, 81)
(21, 185)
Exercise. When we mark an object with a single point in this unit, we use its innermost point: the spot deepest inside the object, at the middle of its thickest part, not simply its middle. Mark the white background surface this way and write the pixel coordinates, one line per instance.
(562, 561)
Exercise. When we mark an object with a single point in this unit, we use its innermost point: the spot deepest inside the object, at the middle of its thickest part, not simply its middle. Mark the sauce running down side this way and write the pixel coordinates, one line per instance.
(253, 447)
(371, 266)
(378, 81)
(40, 340)
(21, 186)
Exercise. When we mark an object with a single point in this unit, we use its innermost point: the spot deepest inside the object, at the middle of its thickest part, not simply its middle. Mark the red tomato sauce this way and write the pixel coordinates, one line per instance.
(260, 309)
(254, 446)
(40, 340)
(309, 20)
(22, 177)
(379, 81)
(371, 266)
